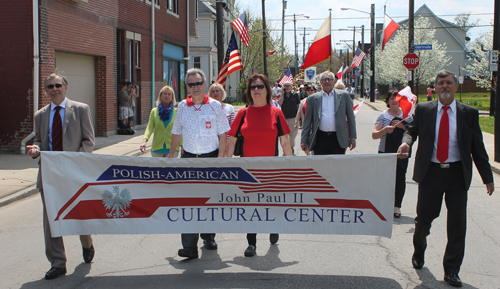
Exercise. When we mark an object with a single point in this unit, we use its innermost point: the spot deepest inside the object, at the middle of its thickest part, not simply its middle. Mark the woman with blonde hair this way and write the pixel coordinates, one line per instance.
(161, 121)
(217, 92)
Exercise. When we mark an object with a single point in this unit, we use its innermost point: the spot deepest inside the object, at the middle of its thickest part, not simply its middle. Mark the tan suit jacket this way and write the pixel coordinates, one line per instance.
(78, 133)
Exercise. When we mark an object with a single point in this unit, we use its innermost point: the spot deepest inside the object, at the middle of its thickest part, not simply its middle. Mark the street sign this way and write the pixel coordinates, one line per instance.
(423, 47)
(354, 76)
(493, 60)
(461, 79)
(411, 61)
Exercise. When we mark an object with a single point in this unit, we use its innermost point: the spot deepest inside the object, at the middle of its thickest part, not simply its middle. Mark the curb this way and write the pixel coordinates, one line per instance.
(18, 196)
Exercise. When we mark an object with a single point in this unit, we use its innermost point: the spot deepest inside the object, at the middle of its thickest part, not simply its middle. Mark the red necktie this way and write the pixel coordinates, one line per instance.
(57, 144)
(444, 136)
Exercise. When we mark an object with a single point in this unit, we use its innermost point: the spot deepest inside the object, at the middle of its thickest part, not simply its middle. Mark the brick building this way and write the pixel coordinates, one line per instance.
(96, 44)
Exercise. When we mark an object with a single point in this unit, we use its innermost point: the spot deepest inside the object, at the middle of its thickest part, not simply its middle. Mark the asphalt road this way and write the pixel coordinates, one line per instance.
(297, 261)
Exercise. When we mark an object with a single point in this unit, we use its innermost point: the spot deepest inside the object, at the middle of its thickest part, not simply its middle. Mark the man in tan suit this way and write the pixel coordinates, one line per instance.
(63, 125)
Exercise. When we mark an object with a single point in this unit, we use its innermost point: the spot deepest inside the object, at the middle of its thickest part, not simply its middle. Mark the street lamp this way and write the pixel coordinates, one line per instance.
(372, 49)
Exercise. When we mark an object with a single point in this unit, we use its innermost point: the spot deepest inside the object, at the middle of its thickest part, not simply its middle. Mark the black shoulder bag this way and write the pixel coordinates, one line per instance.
(238, 147)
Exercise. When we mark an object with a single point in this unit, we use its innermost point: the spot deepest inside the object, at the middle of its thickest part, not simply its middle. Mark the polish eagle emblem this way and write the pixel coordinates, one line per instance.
(117, 202)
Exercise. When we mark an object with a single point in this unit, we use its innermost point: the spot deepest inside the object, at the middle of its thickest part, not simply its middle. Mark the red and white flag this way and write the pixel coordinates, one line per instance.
(241, 26)
(389, 28)
(321, 48)
(339, 73)
(270, 52)
(407, 101)
(357, 107)
(346, 70)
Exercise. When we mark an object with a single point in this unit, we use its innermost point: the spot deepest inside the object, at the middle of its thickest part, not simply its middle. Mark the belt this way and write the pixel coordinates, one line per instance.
(327, 132)
(447, 165)
(207, 155)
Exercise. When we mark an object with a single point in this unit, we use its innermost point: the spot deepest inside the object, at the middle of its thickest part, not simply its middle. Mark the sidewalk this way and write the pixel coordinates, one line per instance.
(18, 173)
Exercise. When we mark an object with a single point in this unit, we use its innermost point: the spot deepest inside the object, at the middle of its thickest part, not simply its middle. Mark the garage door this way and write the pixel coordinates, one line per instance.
(80, 72)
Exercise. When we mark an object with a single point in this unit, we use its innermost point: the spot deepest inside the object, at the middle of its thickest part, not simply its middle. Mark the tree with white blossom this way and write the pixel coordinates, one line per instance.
(389, 66)
(478, 66)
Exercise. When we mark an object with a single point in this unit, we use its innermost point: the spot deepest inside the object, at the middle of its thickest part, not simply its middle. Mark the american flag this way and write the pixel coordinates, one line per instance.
(287, 77)
(232, 62)
(288, 180)
(242, 27)
(358, 58)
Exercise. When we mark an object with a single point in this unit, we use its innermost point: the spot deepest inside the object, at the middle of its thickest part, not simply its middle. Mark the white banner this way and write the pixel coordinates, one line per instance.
(103, 194)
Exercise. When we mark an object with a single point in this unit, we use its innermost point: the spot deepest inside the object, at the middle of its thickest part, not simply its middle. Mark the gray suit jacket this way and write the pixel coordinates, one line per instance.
(346, 130)
(470, 141)
(78, 133)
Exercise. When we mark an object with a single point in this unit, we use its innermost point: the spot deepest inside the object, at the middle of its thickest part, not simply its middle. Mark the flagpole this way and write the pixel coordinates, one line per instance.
(331, 58)
(264, 36)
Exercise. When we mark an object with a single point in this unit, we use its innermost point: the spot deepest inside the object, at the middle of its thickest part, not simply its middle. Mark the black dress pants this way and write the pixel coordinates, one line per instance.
(450, 183)
(327, 144)
(190, 240)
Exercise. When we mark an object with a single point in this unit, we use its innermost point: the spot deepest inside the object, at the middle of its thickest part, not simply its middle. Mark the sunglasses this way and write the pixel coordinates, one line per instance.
(258, 86)
(57, 85)
(193, 84)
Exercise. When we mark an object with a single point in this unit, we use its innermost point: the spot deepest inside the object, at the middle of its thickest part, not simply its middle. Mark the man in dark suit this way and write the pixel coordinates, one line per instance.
(449, 134)
(63, 125)
(325, 129)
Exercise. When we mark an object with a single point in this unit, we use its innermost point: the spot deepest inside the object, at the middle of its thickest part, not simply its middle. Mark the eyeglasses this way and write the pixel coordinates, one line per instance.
(309, 89)
(327, 79)
(57, 85)
(193, 84)
(258, 86)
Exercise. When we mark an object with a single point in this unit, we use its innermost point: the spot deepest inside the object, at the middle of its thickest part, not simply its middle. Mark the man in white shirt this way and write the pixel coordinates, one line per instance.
(325, 129)
(202, 123)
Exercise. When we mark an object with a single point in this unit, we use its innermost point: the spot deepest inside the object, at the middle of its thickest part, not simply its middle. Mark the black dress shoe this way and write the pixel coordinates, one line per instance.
(190, 253)
(55, 272)
(210, 244)
(417, 262)
(250, 251)
(453, 279)
(88, 254)
(273, 238)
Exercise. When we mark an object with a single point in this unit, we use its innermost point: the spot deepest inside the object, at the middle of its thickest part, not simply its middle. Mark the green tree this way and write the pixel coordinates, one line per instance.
(478, 66)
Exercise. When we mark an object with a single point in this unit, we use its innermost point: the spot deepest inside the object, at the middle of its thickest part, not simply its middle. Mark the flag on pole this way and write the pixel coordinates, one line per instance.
(339, 73)
(407, 101)
(321, 48)
(287, 77)
(270, 52)
(346, 70)
(241, 26)
(358, 58)
(389, 28)
(357, 107)
(232, 62)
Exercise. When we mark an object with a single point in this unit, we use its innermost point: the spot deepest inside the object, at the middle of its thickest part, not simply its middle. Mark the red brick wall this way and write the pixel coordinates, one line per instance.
(16, 73)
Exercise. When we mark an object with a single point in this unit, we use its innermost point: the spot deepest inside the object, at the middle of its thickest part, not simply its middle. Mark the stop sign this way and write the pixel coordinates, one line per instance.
(354, 76)
(411, 61)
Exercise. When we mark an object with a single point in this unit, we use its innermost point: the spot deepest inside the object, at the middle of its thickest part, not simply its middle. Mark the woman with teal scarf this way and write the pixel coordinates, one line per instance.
(161, 121)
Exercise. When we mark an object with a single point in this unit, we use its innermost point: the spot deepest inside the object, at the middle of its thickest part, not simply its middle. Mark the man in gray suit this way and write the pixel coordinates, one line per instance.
(63, 125)
(325, 129)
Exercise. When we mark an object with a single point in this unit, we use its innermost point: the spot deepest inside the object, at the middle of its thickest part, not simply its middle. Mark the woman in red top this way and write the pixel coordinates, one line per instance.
(263, 125)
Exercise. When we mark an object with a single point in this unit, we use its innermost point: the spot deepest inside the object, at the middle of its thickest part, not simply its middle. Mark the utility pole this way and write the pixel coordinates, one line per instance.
(331, 58)
(283, 29)
(295, 41)
(304, 44)
(362, 76)
(264, 36)
(496, 46)
(372, 55)
(219, 6)
(411, 47)
(353, 49)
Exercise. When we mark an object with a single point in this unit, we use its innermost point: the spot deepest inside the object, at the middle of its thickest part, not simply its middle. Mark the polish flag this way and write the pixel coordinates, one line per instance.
(339, 73)
(407, 101)
(389, 28)
(321, 48)
(346, 70)
(357, 107)
(270, 52)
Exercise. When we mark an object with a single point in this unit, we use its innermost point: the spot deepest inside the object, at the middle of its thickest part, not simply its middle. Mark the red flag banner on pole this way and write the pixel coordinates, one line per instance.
(241, 26)
(321, 48)
(270, 52)
(339, 73)
(407, 101)
(357, 107)
(389, 28)
(232, 62)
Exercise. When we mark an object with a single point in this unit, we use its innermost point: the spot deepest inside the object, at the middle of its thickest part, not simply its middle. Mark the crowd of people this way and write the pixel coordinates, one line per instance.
(203, 126)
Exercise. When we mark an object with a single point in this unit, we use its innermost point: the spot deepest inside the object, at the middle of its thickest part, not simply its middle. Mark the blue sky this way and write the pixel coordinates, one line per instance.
(317, 10)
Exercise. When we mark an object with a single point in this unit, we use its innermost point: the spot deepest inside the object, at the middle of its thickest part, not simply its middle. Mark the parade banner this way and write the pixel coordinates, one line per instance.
(103, 194)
